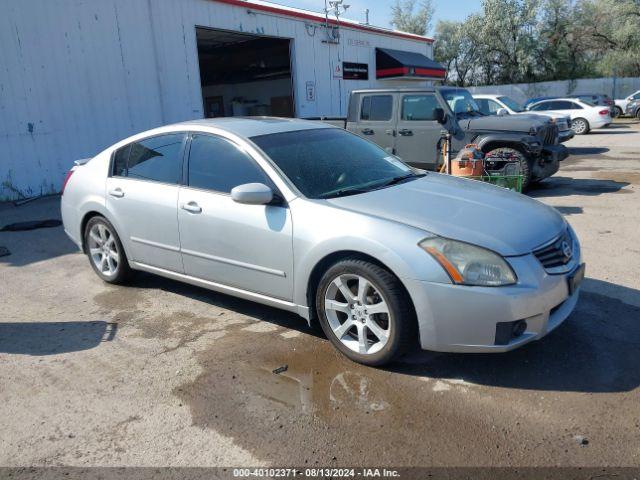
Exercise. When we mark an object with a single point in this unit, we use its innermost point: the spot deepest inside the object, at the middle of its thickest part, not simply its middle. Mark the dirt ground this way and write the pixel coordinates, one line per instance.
(160, 373)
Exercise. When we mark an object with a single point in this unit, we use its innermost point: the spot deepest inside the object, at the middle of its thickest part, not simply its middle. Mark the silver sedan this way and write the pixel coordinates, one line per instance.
(315, 220)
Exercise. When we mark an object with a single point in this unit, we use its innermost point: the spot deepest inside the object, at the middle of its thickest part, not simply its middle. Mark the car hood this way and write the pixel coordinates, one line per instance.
(509, 123)
(475, 212)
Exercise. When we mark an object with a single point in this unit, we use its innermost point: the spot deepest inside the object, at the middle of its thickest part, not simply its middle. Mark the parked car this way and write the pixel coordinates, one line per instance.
(584, 116)
(409, 123)
(315, 220)
(601, 99)
(633, 109)
(503, 105)
(622, 104)
(535, 100)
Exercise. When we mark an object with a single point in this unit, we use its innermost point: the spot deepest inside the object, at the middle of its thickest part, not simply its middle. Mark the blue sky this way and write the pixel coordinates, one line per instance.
(379, 10)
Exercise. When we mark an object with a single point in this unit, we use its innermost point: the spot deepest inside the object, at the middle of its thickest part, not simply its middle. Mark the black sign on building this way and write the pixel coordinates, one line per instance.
(355, 71)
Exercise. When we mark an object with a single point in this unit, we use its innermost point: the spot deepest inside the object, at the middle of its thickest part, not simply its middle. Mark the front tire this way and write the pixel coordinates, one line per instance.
(580, 126)
(105, 252)
(365, 312)
(525, 168)
(617, 112)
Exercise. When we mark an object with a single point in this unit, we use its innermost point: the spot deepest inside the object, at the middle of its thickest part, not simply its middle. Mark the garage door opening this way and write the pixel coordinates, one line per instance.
(244, 75)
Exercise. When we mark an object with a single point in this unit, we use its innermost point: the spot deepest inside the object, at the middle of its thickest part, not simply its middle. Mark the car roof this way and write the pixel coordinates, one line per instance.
(564, 99)
(393, 90)
(253, 126)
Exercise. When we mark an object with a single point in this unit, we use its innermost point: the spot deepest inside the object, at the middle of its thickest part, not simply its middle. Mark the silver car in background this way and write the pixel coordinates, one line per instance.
(315, 220)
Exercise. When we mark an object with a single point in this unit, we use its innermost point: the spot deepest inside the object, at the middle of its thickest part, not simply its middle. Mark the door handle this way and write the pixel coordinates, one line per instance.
(191, 207)
(116, 192)
(367, 131)
(405, 132)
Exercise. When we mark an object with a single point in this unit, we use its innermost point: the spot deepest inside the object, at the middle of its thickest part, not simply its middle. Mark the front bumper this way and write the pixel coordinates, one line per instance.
(554, 153)
(455, 318)
(565, 135)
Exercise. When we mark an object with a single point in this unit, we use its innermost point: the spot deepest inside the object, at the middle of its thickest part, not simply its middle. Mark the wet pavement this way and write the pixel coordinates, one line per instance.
(161, 373)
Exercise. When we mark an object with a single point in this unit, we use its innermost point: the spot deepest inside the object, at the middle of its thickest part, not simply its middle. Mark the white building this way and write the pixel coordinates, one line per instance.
(76, 76)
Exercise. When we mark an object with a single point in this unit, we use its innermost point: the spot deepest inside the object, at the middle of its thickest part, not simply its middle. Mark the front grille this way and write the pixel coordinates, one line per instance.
(550, 135)
(557, 253)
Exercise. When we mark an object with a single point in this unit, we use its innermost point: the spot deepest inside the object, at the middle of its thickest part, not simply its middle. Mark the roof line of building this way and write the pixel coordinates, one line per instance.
(318, 17)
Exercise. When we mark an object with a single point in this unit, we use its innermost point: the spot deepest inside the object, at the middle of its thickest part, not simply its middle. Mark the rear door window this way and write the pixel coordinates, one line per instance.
(542, 106)
(564, 105)
(376, 108)
(155, 159)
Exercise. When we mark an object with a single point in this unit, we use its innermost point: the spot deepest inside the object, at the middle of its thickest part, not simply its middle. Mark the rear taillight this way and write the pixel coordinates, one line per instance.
(66, 180)
(603, 112)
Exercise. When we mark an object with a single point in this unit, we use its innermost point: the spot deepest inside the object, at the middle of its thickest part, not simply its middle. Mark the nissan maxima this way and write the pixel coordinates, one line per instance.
(315, 220)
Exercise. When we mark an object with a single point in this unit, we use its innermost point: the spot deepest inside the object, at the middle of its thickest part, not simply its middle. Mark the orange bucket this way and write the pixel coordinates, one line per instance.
(468, 163)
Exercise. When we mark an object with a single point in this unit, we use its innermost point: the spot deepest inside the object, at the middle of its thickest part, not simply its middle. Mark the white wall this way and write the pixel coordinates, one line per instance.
(615, 88)
(76, 76)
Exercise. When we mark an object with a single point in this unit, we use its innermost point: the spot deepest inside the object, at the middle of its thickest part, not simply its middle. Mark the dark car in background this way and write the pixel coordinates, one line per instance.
(601, 99)
(633, 109)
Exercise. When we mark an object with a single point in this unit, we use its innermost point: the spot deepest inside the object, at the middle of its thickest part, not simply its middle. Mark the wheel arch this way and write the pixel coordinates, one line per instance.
(330, 259)
(493, 144)
(96, 211)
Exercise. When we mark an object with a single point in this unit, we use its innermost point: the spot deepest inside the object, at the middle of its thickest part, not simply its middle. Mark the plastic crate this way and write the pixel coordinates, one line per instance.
(512, 182)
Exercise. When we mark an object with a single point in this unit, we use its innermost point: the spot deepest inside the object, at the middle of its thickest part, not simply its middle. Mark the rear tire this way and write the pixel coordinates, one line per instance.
(580, 126)
(365, 312)
(105, 252)
(525, 168)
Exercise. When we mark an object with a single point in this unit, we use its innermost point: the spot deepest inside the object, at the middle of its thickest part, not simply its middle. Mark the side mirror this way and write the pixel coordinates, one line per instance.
(502, 111)
(252, 194)
(439, 115)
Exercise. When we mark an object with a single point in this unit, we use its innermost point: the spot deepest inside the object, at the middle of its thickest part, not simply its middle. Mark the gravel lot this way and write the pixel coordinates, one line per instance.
(160, 373)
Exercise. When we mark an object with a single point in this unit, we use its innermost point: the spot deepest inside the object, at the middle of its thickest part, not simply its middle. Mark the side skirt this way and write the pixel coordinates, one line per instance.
(301, 310)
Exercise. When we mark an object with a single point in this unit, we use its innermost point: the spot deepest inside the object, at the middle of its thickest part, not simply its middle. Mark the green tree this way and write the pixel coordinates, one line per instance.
(508, 37)
(563, 50)
(613, 27)
(412, 18)
(456, 49)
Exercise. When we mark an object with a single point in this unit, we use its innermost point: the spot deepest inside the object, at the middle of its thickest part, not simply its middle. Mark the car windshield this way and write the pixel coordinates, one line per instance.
(512, 104)
(461, 102)
(331, 162)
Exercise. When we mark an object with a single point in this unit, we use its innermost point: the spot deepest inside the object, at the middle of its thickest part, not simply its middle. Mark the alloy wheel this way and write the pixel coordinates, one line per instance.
(103, 250)
(579, 126)
(357, 313)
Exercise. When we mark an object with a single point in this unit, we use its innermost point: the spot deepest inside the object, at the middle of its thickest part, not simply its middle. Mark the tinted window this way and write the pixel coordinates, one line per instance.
(542, 106)
(157, 159)
(120, 161)
(377, 107)
(327, 161)
(217, 164)
(419, 107)
(564, 105)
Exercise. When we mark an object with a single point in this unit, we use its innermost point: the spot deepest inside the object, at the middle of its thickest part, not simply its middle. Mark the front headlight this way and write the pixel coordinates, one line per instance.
(468, 264)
